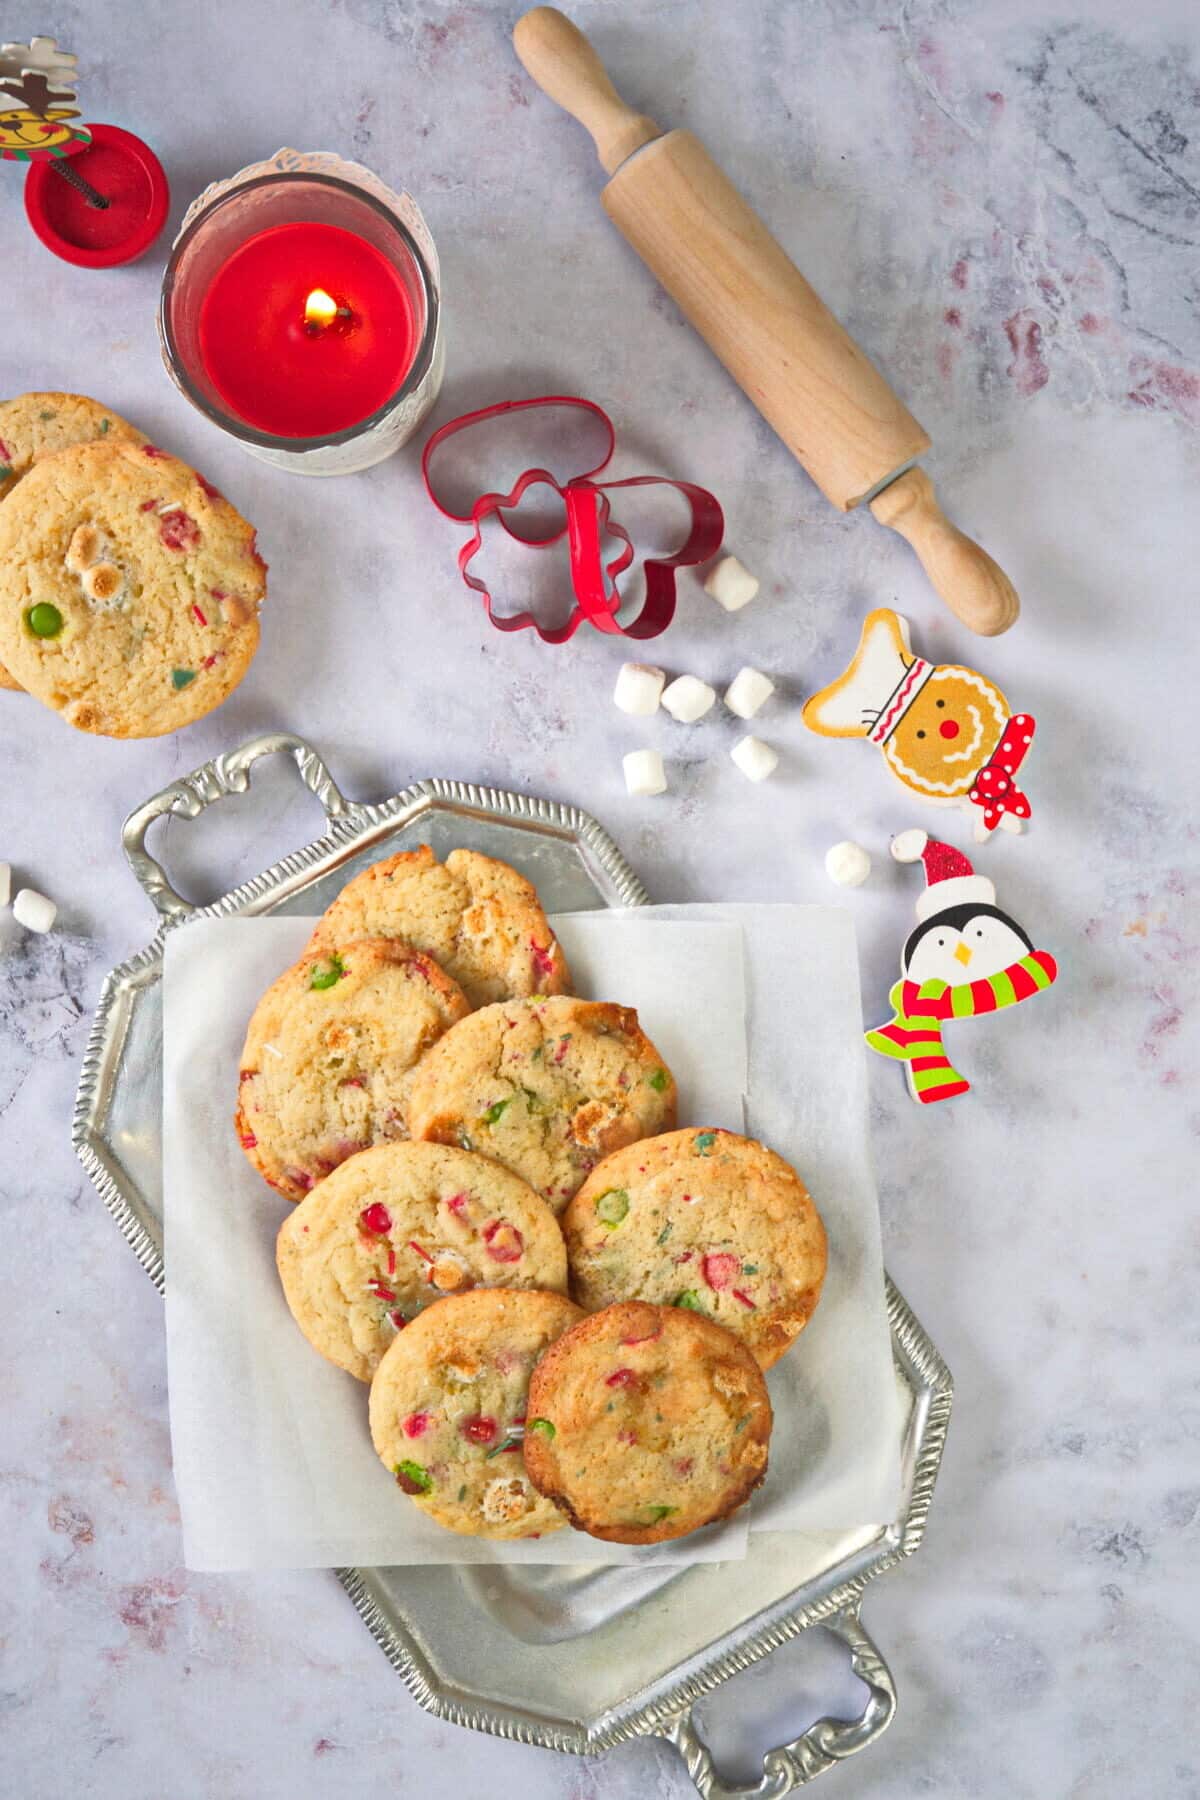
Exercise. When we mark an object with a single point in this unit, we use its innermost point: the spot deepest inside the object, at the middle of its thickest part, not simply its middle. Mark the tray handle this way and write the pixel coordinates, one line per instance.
(826, 1742)
(228, 773)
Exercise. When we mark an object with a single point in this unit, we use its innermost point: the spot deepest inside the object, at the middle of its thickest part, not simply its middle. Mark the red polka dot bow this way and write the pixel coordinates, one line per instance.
(996, 789)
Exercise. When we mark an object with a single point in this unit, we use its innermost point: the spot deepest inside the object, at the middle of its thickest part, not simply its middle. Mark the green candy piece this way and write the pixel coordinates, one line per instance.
(104, 425)
(327, 974)
(5, 471)
(44, 620)
(658, 1081)
(689, 1300)
(412, 1477)
(664, 1234)
(704, 1143)
(660, 1512)
(495, 1112)
(612, 1207)
(45, 415)
(181, 677)
(543, 1427)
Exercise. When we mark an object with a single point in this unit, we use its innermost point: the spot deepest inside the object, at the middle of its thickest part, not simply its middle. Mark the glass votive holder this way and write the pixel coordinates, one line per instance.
(307, 189)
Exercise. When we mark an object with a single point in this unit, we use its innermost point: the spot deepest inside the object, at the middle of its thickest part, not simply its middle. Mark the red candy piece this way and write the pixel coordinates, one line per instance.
(504, 1242)
(417, 1424)
(178, 530)
(644, 1337)
(198, 616)
(543, 962)
(720, 1267)
(423, 1254)
(249, 1141)
(457, 1204)
(479, 1430)
(621, 1378)
(743, 1296)
(380, 1291)
(376, 1218)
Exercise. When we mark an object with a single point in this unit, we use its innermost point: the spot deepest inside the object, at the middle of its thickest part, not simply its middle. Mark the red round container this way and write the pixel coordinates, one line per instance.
(130, 177)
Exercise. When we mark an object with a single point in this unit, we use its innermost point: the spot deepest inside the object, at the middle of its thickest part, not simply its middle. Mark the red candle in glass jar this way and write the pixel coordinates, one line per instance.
(306, 330)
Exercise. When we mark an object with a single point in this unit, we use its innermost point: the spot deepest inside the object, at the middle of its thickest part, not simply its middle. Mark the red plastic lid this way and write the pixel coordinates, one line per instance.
(131, 178)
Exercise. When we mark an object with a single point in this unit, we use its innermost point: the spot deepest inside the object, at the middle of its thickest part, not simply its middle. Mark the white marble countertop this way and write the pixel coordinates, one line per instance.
(1002, 200)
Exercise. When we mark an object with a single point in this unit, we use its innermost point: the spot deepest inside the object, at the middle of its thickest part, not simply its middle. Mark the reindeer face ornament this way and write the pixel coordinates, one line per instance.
(36, 102)
(947, 733)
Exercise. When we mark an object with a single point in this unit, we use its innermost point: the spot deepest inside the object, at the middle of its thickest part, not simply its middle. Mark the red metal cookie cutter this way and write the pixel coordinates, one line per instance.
(588, 519)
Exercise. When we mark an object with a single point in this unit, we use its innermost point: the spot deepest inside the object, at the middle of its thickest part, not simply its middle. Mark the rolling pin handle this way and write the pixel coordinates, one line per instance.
(975, 588)
(565, 66)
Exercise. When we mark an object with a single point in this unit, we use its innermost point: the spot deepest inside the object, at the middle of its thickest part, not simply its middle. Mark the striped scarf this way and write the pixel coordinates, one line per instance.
(913, 1035)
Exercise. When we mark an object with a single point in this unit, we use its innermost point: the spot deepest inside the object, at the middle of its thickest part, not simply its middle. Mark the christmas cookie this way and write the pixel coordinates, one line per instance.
(646, 1422)
(448, 1406)
(329, 1056)
(707, 1221)
(129, 589)
(947, 734)
(398, 1227)
(547, 1087)
(35, 425)
(965, 957)
(481, 920)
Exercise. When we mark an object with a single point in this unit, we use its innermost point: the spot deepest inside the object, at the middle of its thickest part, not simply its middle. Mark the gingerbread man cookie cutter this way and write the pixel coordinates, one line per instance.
(588, 520)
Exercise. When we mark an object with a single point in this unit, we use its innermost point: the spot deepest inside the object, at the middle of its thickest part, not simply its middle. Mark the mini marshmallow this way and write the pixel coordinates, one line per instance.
(848, 864)
(731, 585)
(638, 688)
(644, 772)
(754, 758)
(5, 883)
(748, 693)
(34, 911)
(688, 699)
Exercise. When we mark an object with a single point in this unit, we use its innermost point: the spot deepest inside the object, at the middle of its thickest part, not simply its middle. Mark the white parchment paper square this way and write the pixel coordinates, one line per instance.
(273, 1459)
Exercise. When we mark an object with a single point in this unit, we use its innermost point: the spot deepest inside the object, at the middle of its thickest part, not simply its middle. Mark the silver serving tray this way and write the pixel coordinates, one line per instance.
(575, 1657)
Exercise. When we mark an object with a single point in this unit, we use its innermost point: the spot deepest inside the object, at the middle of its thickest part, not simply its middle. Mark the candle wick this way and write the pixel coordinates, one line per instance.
(74, 179)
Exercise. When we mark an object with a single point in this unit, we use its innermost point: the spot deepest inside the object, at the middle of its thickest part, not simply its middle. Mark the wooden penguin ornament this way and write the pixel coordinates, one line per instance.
(965, 957)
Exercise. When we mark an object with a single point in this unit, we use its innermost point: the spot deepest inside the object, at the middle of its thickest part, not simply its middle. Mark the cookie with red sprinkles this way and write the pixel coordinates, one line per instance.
(703, 1220)
(129, 589)
(647, 1422)
(477, 916)
(329, 1057)
(548, 1087)
(448, 1410)
(399, 1227)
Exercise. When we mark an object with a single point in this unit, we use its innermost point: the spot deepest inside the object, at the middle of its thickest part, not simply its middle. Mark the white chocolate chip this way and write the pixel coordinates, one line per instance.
(234, 610)
(83, 549)
(102, 582)
(748, 693)
(754, 758)
(731, 585)
(688, 699)
(34, 911)
(848, 864)
(638, 688)
(505, 1499)
(5, 883)
(644, 772)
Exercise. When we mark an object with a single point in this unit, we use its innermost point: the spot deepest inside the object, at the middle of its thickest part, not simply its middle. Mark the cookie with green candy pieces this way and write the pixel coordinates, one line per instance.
(329, 1057)
(36, 425)
(448, 1410)
(129, 589)
(647, 1422)
(400, 1226)
(474, 914)
(546, 1086)
(705, 1220)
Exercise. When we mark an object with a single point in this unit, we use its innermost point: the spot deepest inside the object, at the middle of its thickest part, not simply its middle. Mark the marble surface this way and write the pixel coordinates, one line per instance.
(1002, 200)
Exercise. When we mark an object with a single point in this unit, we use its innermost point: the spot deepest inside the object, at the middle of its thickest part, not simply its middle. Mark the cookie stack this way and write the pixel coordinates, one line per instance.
(129, 587)
(564, 1305)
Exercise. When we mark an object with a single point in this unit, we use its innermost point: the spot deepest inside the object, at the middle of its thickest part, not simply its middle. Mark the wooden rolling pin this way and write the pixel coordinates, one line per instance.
(779, 341)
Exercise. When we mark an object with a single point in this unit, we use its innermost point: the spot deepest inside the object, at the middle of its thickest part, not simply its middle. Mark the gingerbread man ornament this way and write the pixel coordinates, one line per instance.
(947, 733)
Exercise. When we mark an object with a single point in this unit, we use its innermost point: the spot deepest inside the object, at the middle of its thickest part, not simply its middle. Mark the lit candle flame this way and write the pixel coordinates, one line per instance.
(320, 308)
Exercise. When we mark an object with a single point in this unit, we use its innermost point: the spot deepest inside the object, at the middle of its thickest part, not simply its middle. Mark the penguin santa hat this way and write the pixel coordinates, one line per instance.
(965, 957)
